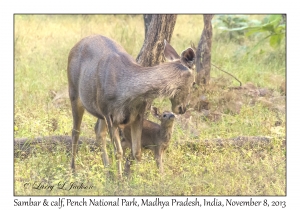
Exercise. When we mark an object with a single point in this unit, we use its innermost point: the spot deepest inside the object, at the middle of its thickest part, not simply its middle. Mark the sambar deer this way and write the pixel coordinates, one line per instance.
(154, 136)
(107, 82)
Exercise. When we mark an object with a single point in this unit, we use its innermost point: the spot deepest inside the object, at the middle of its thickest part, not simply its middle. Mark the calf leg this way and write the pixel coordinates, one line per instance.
(128, 164)
(158, 159)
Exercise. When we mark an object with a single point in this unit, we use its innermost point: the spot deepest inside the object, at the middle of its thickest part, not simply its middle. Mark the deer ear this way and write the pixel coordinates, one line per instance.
(155, 112)
(188, 57)
(169, 52)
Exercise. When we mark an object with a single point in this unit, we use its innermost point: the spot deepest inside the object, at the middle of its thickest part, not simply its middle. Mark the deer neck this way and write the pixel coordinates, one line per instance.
(165, 134)
(156, 81)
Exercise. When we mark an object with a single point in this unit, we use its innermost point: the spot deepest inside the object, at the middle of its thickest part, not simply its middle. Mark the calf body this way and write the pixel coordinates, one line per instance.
(107, 82)
(154, 137)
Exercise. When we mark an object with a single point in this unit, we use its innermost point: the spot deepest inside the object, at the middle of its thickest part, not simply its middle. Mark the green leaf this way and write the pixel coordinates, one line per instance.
(252, 30)
(268, 27)
(280, 29)
(275, 19)
(275, 40)
(239, 29)
(255, 22)
(223, 28)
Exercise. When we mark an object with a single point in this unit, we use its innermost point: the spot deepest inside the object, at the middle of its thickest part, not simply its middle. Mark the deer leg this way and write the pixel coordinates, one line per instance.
(126, 144)
(136, 134)
(77, 112)
(114, 135)
(101, 130)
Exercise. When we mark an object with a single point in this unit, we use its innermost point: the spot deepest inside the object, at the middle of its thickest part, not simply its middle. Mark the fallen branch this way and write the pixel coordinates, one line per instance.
(24, 146)
(228, 74)
(236, 142)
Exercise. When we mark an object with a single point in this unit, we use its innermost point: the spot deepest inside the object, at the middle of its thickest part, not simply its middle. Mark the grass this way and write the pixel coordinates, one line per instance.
(42, 43)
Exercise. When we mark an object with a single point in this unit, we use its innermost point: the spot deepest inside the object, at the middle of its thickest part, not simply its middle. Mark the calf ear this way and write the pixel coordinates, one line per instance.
(188, 57)
(169, 52)
(155, 112)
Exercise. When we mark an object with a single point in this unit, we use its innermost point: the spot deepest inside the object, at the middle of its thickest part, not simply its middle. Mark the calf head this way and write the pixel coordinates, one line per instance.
(166, 118)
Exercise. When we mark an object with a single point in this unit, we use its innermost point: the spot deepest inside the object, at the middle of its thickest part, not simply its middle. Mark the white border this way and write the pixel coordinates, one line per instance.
(8, 8)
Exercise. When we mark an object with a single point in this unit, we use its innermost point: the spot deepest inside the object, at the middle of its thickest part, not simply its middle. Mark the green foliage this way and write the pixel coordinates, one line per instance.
(272, 27)
(227, 24)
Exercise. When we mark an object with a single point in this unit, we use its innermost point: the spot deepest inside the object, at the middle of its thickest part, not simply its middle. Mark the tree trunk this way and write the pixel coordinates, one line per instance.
(284, 18)
(161, 27)
(147, 21)
(203, 52)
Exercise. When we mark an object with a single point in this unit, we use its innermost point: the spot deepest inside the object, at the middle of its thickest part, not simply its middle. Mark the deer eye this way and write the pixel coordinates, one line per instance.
(164, 115)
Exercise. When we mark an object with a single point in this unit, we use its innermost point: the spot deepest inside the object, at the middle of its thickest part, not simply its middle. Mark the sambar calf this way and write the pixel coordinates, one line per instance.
(154, 136)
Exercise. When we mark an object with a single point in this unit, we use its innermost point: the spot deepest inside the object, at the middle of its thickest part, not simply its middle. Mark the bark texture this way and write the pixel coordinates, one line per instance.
(203, 52)
(161, 27)
(147, 21)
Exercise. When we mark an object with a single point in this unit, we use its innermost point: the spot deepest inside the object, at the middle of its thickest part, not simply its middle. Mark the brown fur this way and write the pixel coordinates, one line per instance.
(154, 137)
(107, 82)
